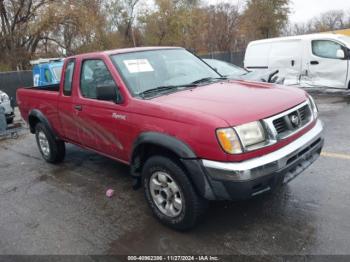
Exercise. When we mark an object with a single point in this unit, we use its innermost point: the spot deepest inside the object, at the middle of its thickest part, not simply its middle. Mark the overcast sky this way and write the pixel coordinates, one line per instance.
(303, 10)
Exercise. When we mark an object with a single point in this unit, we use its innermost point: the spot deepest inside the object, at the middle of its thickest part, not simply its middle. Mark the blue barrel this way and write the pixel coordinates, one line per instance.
(3, 123)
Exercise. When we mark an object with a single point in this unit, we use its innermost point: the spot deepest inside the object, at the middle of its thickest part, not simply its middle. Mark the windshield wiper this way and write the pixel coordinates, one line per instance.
(161, 89)
(207, 79)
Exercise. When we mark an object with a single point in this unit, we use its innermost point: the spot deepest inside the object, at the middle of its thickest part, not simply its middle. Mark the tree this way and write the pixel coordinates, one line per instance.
(328, 21)
(178, 22)
(331, 20)
(21, 30)
(121, 15)
(265, 18)
(223, 21)
(76, 26)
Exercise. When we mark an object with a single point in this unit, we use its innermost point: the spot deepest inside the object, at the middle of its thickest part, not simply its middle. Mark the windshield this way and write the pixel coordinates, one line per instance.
(148, 70)
(225, 69)
(58, 72)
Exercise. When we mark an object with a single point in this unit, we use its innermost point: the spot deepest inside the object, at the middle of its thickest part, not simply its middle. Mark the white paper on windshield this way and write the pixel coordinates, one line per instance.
(138, 66)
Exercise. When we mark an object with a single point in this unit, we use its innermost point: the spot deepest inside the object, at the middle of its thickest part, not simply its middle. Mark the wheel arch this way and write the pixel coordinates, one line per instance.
(150, 143)
(36, 116)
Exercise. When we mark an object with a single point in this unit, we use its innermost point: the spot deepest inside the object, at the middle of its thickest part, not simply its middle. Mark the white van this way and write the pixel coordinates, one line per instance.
(320, 60)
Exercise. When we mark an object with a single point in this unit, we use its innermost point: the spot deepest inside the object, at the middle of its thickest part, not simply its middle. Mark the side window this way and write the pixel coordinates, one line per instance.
(325, 48)
(47, 76)
(68, 78)
(95, 74)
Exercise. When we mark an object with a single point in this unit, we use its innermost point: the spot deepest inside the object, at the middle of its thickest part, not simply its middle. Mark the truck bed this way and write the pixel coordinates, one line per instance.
(44, 98)
(53, 88)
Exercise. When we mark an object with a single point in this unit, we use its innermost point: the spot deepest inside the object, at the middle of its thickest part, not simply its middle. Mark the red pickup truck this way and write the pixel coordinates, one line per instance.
(188, 134)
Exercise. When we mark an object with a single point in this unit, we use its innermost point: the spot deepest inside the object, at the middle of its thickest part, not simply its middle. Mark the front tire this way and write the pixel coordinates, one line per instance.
(170, 193)
(51, 149)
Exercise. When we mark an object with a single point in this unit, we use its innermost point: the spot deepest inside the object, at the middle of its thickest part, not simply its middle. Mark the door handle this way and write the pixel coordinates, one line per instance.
(78, 107)
(293, 62)
(314, 62)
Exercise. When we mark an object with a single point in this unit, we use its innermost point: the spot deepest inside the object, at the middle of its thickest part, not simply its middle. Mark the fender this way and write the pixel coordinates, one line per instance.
(186, 156)
(37, 114)
(169, 142)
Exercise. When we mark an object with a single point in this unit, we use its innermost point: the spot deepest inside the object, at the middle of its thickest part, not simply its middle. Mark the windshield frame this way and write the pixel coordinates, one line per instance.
(130, 89)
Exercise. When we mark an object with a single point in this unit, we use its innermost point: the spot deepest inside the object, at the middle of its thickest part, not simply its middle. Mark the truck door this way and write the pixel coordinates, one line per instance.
(285, 56)
(67, 110)
(97, 118)
(327, 66)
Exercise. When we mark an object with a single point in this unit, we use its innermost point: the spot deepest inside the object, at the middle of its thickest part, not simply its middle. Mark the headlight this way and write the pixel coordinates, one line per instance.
(229, 140)
(232, 139)
(5, 98)
(313, 107)
(251, 133)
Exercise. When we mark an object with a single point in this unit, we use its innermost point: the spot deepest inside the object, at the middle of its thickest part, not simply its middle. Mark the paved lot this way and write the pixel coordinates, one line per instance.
(47, 209)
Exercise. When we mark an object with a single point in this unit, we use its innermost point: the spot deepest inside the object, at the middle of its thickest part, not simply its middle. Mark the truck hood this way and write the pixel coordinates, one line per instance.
(236, 102)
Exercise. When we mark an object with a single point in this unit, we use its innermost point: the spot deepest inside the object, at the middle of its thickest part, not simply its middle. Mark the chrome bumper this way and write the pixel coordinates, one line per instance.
(306, 148)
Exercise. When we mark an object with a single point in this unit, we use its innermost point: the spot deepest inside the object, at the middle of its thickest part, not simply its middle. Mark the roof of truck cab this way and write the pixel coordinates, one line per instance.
(128, 50)
(139, 49)
(300, 37)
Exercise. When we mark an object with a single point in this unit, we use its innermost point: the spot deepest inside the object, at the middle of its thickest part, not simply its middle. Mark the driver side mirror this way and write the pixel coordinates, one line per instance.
(340, 54)
(108, 93)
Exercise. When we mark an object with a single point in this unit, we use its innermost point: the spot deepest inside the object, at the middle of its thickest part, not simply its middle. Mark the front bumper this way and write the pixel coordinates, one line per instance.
(234, 181)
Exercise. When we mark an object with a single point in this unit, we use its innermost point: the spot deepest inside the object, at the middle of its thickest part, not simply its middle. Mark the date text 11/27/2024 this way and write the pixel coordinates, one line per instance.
(173, 258)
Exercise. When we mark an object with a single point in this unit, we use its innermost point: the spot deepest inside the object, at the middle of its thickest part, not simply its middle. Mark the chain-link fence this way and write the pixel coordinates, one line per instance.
(236, 58)
(11, 81)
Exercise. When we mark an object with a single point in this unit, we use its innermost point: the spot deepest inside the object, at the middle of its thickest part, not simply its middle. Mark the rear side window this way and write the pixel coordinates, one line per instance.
(68, 78)
(48, 76)
(94, 74)
(325, 48)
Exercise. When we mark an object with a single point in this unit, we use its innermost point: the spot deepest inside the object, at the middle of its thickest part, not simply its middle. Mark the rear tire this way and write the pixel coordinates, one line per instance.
(51, 149)
(170, 194)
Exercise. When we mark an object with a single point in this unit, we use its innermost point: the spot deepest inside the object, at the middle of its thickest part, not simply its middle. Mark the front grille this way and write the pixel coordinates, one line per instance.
(280, 125)
(291, 122)
(305, 113)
